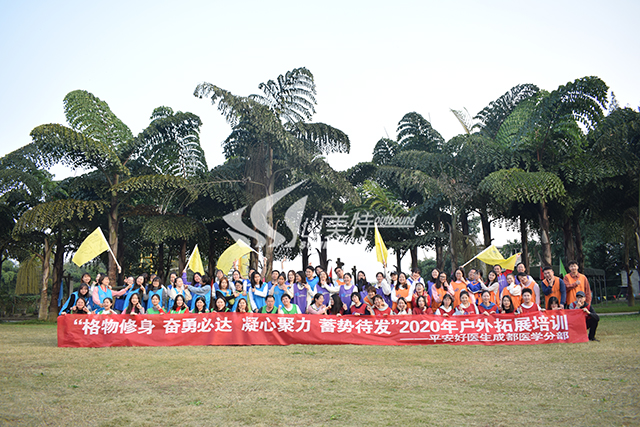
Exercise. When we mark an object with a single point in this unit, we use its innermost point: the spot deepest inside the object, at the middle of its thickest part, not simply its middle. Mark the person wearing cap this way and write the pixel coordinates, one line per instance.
(591, 316)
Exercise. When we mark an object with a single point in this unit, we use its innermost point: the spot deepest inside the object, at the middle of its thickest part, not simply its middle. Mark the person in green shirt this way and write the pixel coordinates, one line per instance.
(287, 307)
(270, 305)
(155, 308)
(179, 306)
(106, 307)
(221, 305)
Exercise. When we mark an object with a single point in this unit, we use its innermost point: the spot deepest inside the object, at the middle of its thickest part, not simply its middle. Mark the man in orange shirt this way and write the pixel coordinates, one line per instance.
(553, 286)
(576, 282)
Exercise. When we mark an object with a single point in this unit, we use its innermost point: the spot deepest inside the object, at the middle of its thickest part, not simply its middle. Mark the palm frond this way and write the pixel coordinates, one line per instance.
(416, 133)
(291, 97)
(94, 119)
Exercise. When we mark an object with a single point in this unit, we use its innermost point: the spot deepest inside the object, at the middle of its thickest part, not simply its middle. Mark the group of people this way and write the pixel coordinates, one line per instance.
(312, 291)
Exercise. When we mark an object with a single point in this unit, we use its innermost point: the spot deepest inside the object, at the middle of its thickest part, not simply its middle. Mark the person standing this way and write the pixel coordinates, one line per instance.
(502, 277)
(576, 282)
(103, 290)
(526, 282)
(553, 286)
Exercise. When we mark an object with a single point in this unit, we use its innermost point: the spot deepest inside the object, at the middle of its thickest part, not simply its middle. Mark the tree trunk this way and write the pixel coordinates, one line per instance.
(439, 253)
(46, 258)
(58, 271)
(268, 249)
(211, 257)
(627, 267)
(464, 223)
(304, 251)
(322, 252)
(545, 240)
(486, 227)
(168, 262)
(452, 249)
(398, 261)
(569, 247)
(160, 263)
(113, 236)
(1, 262)
(524, 240)
(414, 257)
(120, 281)
(577, 234)
(182, 257)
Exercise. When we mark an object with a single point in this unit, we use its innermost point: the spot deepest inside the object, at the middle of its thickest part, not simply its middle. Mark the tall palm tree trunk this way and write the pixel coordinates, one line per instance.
(524, 241)
(113, 238)
(58, 270)
(43, 312)
(545, 240)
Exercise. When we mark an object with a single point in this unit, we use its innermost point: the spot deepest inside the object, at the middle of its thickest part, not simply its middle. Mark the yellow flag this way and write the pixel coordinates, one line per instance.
(492, 256)
(92, 246)
(195, 262)
(381, 249)
(231, 255)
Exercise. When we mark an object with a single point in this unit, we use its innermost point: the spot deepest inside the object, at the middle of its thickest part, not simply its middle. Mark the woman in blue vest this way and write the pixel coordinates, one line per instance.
(258, 291)
(202, 290)
(235, 276)
(103, 290)
(223, 290)
(138, 289)
(135, 306)
(156, 288)
(281, 288)
(82, 292)
(178, 289)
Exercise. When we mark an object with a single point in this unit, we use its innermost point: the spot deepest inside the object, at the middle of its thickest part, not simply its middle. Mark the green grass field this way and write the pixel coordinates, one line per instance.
(616, 307)
(594, 383)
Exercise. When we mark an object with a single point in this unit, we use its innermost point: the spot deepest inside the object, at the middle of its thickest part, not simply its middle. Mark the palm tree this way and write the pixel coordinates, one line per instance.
(97, 141)
(272, 135)
(543, 138)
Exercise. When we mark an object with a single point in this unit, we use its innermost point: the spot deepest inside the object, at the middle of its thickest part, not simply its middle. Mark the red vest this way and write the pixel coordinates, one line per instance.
(533, 309)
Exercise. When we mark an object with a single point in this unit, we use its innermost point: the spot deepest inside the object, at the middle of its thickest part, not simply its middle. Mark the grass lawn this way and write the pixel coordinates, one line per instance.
(616, 307)
(596, 383)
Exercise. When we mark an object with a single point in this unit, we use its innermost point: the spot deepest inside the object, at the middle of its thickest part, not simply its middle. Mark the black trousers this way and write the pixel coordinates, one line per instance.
(592, 325)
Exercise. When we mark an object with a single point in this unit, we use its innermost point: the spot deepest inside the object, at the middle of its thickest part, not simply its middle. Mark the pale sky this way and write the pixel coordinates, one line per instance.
(372, 61)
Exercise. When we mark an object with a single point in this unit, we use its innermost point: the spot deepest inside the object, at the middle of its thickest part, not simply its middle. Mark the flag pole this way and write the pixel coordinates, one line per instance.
(485, 249)
(190, 256)
(111, 252)
(114, 257)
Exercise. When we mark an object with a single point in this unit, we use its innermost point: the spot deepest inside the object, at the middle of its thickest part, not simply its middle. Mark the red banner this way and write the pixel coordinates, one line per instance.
(272, 329)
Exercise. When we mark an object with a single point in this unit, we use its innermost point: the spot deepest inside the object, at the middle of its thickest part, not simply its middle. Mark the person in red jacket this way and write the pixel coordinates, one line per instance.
(421, 307)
